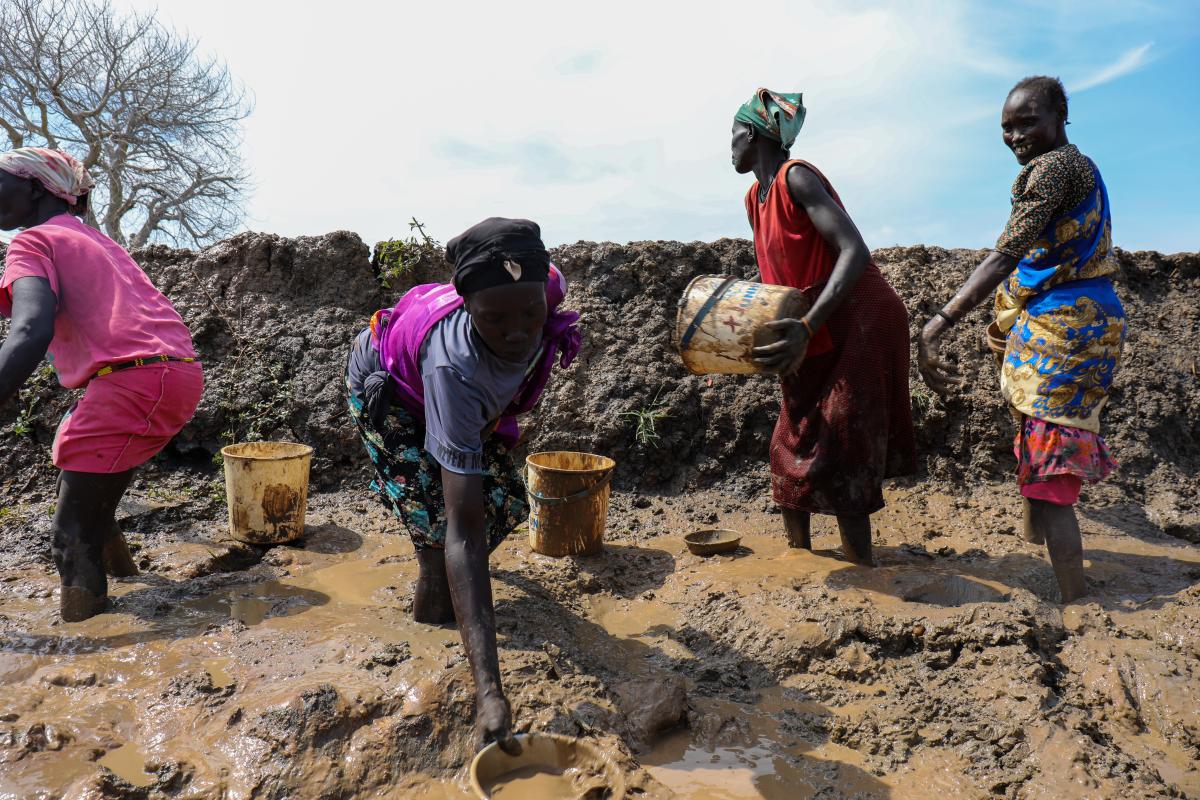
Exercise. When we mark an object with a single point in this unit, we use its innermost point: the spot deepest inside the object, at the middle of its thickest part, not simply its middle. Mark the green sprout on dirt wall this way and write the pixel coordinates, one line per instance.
(397, 259)
(646, 422)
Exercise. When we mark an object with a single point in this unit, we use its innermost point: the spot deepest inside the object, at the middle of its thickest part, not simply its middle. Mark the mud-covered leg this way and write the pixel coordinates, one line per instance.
(118, 561)
(84, 516)
(431, 601)
(1028, 531)
(856, 538)
(1060, 528)
(798, 525)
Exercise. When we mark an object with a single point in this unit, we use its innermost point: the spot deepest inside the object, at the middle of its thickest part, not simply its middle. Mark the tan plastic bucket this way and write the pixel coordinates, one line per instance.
(720, 320)
(568, 502)
(591, 772)
(266, 485)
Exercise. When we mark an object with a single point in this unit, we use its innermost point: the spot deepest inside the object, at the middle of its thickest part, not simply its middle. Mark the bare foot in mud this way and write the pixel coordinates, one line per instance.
(798, 525)
(856, 539)
(79, 604)
(118, 561)
(493, 723)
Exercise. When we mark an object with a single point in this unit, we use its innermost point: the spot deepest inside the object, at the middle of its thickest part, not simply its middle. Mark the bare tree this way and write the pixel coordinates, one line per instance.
(156, 124)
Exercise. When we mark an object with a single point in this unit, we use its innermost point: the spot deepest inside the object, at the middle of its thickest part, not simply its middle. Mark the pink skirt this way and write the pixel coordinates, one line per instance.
(1054, 460)
(126, 417)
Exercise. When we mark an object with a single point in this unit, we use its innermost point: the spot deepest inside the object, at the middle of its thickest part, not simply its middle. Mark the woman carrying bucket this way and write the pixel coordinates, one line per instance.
(435, 386)
(846, 422)
(1060, 322)
(73, 292)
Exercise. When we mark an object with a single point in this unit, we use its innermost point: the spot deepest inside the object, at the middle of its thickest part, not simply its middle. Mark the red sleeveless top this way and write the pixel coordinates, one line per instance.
(790, 249)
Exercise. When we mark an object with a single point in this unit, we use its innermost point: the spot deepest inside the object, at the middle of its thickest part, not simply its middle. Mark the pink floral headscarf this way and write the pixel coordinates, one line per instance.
(61, 174)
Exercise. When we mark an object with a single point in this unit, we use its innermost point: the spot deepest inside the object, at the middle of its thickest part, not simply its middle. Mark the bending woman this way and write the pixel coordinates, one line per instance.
(77, 294)
(846, 421)
(1065, 327)
(435, 386)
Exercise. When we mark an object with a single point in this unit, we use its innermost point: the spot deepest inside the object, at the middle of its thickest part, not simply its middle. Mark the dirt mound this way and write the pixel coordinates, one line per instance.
(272, 318)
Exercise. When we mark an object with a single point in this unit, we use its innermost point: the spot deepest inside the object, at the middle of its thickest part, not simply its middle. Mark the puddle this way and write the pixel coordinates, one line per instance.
(251, 604)
(357, 580)
(128, 763)
(750, 757)
(216, 668)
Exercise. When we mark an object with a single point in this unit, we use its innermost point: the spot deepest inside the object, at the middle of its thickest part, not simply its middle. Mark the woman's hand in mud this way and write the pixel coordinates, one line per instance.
(939, 375)
(494, 719)
(785, 356)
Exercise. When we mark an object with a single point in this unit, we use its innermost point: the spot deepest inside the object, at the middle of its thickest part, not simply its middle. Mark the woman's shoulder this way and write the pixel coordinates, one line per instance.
(1064, 176)
(1061, 163)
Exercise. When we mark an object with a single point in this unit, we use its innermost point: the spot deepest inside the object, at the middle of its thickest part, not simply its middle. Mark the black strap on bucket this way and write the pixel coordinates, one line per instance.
(571, 498)
(712, 300)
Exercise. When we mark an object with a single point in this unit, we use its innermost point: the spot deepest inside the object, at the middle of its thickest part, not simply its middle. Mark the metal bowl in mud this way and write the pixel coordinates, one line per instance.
(709, 543)
(549, 766)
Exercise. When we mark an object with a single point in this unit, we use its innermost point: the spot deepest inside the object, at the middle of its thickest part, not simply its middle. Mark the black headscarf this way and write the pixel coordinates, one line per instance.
(497, 252)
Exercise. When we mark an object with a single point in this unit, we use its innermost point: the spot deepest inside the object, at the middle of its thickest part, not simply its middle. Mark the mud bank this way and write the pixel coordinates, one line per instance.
(272, 318)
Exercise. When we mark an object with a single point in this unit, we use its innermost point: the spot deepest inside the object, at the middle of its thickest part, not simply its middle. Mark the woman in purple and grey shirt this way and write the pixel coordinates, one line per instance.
(434, 386)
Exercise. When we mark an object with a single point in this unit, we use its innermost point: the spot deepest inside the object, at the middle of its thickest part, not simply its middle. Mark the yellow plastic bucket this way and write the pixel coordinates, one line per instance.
(266, 485)
(568, 501)
(720, 320)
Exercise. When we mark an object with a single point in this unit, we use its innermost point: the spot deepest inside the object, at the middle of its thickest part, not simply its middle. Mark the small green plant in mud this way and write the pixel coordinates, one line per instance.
(922, 399)
(397, 259)
(646, 421)
(30, 396)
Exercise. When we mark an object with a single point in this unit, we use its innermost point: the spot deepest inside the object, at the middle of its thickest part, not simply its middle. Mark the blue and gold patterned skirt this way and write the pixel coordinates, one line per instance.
(409, 479)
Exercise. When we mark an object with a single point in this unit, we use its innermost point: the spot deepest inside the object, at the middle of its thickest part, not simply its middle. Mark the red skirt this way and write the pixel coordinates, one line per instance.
(846, 419)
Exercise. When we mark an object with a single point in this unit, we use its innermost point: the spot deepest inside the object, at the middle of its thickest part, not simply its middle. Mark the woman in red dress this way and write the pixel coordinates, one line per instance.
(846, 421)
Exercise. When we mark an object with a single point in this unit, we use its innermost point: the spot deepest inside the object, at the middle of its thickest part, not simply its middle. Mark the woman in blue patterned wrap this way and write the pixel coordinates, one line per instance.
(1051, 273)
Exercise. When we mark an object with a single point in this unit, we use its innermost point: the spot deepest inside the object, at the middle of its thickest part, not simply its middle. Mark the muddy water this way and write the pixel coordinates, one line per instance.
(802, 675)
(542, 783)
(760, 761)
(129, 763)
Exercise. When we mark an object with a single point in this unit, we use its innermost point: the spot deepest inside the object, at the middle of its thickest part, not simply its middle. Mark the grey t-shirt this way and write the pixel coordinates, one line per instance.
(467, 387)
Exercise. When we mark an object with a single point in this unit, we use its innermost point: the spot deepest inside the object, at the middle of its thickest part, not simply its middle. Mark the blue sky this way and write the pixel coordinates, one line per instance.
(610, 121)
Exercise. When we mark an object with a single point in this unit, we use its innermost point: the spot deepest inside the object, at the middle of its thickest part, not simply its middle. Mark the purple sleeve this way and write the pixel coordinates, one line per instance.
(454, 422)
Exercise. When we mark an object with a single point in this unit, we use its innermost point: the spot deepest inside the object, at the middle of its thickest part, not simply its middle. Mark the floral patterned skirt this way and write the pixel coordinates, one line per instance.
(409, 479)
(1046, 449)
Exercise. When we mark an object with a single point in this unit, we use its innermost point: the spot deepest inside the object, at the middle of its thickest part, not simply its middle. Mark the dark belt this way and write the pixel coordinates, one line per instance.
(140, 362)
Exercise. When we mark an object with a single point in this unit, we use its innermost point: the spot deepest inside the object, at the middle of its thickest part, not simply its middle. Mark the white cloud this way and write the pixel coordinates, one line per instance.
(1130, 61)
(600, 121)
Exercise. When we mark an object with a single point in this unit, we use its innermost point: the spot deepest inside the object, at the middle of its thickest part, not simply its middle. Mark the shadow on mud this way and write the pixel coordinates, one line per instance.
(1116, 579)
(176, 610)
(330, 539)
(627, 571)
(1132, 520)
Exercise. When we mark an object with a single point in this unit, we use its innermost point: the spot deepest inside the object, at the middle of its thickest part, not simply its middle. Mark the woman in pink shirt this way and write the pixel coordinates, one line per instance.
(76, 297)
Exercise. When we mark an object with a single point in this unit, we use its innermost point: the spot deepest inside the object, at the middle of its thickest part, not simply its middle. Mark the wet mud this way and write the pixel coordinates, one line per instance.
(763, 673)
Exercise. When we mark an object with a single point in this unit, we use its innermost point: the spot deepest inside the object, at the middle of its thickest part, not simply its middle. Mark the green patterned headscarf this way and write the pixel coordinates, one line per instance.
(779, 116)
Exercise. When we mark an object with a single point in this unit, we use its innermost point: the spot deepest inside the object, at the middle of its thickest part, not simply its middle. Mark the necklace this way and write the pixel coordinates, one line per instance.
(762, 191)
